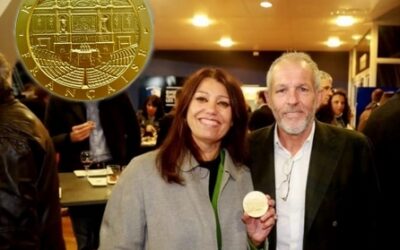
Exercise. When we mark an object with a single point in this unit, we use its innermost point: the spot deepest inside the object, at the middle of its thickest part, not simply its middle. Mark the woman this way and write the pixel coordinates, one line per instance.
(150, 115)
(188, 194)
(341, 109)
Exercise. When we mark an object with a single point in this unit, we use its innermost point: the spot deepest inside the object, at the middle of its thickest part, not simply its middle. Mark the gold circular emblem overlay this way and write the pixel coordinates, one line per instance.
(84, 50)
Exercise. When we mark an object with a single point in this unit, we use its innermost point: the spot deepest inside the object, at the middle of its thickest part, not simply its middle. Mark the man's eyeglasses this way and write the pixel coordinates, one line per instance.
(285, 185)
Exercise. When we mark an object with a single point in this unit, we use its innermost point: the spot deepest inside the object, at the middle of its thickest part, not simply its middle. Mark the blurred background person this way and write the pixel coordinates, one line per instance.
(36, 100)
(150, 115)
(341, 109)
(325, 86)
(262, 116)
(166, 121)
(196, 179)
(375, 98)
(383, 129)
(28, 91)
(337, 112)
(324, 111)
(110, 130)
(29, 205)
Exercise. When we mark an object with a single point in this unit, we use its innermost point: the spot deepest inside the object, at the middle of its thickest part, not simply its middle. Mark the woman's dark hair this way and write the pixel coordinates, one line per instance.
(179, 140)
(155, 101)
(347, 110)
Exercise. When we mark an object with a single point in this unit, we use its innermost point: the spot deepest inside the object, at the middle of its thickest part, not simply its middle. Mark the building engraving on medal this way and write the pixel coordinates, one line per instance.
(85, 44)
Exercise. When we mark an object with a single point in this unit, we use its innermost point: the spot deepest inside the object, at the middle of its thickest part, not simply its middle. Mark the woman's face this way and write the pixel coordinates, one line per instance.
(209, 115)
(338, 103)
(151, 110)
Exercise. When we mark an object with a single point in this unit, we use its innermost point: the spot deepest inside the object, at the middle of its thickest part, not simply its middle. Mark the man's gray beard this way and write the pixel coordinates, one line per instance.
(298, 129)
(294, 131)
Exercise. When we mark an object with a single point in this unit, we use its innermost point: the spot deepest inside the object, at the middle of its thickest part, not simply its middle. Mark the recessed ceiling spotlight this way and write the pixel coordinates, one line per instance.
(356, 37)
(333, 42)
(345, 21)
(225, 42)
(265, 4)
(348, 17)
(201, 20)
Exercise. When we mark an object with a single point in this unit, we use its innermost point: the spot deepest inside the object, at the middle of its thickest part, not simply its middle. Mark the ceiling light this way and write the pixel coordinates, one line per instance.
(348, 17)
(345, 21)
(356, 37)
(333, 42)
(201, 20)
(225, 42)
(265, 4)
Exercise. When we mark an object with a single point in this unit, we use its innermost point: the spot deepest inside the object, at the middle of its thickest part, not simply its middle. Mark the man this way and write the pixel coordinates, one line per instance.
(110, 130)
(382, 128)
(321, 176)
(375, 102)
(29, 203)
(324, 112)
(262, 116)
(325, 87)
(167, 120)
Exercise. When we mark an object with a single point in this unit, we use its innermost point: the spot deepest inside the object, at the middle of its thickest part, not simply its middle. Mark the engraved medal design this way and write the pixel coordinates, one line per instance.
(84, 49)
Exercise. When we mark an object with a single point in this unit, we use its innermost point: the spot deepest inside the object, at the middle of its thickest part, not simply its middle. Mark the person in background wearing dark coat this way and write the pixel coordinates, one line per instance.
(29, 204)
(322, 177)
(382, 127)
(166, 121)
(262, 116)
(110, 130)
(375, 97)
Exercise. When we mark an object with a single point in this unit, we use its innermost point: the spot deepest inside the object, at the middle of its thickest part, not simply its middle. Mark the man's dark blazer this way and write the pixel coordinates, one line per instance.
(118, 120)
(341, 191)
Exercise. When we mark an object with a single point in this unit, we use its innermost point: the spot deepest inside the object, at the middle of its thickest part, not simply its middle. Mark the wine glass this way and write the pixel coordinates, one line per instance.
(87, 160)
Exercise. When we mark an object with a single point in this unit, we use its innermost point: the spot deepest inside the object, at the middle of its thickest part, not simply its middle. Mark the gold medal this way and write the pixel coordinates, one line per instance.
(255, 204)
(84, 49)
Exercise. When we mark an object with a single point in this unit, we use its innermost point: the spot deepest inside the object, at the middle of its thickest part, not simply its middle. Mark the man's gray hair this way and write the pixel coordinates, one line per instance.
(325, 76)
(295, 57)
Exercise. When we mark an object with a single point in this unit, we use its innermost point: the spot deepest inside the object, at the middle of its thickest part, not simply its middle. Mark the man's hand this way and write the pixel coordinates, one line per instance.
(82, 131)
(258, 229)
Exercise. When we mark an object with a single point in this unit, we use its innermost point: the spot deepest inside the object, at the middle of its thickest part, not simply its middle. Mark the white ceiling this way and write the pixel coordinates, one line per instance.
(302, 25)
(288, 25)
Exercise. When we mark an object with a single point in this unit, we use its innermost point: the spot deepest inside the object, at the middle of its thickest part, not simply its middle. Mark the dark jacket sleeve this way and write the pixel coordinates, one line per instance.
(29, 204)
(56, 123)
(61, 116)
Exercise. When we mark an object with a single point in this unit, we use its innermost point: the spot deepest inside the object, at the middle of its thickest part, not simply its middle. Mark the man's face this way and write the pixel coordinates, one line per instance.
(293, 97)
(326, 91)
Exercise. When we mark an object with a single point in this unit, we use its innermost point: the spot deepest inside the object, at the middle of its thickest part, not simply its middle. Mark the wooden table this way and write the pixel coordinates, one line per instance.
(78, 191)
